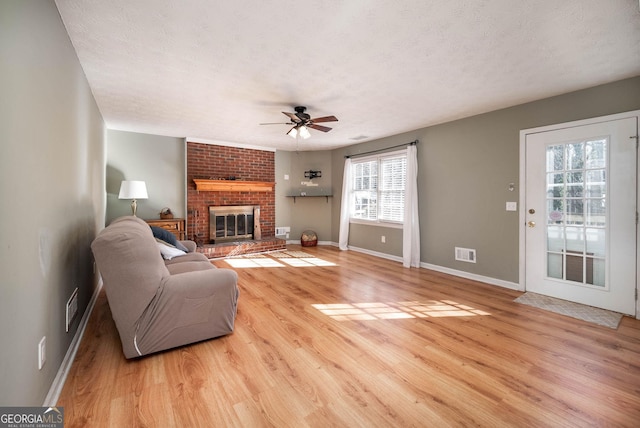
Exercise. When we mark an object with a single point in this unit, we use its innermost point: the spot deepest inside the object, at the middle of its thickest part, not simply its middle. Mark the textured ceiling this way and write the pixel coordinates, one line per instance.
(215, 70)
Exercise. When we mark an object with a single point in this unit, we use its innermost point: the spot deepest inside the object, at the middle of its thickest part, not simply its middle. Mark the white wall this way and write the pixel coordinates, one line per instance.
(52, 183)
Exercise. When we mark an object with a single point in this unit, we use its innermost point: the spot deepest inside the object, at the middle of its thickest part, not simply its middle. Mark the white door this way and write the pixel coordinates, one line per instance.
(580, 213)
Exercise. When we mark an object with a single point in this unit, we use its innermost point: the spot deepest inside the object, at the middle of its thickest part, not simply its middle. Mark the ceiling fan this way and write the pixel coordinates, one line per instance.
(301, 121)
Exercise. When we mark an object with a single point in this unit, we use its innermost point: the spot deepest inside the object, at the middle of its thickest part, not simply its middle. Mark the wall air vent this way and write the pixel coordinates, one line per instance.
(465, 255)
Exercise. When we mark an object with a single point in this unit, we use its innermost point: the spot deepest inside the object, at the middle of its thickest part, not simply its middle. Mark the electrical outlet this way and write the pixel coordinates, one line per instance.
(42, 352)
(383, 239)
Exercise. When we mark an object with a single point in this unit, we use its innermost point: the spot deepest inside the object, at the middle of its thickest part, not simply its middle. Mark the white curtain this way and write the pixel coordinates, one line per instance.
(411, 228)
(343, 239)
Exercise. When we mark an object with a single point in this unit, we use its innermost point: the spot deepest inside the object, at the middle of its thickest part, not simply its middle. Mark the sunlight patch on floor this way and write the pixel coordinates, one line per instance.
(242, 263)
(397, 310)
(291, 258)
(306, 262)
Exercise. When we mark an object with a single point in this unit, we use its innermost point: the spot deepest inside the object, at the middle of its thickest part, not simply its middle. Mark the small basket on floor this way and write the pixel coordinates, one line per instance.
(309, 238)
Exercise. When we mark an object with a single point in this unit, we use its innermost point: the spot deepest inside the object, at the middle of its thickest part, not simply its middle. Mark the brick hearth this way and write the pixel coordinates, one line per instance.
(228, 249)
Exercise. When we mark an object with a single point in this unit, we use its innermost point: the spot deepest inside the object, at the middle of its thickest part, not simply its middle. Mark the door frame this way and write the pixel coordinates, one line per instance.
(523, 190)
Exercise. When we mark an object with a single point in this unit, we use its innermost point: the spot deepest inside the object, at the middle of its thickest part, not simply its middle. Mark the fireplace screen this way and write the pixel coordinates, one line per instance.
(231, 223)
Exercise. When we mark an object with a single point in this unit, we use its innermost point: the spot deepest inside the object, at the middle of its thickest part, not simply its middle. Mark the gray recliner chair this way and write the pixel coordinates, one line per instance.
(158, 304)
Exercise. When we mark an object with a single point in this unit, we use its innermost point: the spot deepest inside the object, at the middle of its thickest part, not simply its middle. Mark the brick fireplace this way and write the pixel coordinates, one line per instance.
(234, 165)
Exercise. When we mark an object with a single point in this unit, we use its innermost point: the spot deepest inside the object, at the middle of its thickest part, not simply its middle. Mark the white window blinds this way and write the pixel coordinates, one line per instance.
(392, 185)
(378, 188)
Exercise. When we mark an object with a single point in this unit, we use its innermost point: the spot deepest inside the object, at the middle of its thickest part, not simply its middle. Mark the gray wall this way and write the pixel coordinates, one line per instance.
(304, 213)
(283, 187)
(464, 170)
(52, 189)
(158, 161)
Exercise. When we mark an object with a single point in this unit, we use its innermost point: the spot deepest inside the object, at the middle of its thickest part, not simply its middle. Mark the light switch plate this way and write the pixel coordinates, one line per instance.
(512, 206)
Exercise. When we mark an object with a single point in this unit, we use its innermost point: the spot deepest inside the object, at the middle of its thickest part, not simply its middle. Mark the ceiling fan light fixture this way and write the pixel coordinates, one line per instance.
(304, 132)
(301, 122)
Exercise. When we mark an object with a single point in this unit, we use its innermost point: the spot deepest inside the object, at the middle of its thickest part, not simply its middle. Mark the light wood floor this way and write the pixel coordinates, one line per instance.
(387, 346)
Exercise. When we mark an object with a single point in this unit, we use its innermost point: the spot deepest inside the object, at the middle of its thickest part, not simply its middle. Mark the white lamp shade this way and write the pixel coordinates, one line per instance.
(304, 132)
(133, 190)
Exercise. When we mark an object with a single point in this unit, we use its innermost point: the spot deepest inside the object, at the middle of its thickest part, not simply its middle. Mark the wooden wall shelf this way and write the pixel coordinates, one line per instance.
(232, 186)
(309, 196)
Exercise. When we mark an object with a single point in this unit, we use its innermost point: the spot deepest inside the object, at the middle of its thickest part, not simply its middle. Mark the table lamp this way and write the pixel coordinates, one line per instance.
(133, 190)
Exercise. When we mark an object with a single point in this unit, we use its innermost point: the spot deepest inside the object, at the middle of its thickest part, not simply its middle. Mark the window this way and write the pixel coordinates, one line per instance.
(378, 188)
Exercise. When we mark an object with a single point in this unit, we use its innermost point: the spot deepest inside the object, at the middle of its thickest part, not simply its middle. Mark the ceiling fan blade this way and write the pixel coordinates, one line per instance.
(294, 129)
(278, 123)
(319, 127)
(292, 116)
(325, 119)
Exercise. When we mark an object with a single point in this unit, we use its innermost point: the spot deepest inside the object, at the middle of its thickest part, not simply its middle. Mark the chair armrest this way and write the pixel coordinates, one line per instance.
(199, 283)
(190, 245)
(189, 307)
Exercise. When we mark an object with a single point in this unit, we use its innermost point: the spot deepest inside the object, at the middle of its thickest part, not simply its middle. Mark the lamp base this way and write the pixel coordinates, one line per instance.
(134, 207)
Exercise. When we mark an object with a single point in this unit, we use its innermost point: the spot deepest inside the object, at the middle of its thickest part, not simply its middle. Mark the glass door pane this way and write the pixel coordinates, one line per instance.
(577, 211)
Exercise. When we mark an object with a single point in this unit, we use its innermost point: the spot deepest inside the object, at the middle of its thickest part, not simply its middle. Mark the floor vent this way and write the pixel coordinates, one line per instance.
(465, 255)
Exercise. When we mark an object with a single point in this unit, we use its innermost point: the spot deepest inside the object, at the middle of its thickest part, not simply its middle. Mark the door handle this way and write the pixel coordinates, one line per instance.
(531, 224)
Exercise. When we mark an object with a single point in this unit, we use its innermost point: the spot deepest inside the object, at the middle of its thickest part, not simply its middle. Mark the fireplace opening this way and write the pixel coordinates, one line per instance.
(232, 223)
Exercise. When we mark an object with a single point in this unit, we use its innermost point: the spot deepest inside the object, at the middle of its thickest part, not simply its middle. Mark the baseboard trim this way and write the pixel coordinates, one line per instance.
(376, 254)
(459, 273)
(480, 278)
(297, 242)
(58, 382)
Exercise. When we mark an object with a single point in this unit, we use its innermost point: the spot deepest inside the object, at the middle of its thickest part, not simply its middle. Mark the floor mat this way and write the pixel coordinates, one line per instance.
(575, 310)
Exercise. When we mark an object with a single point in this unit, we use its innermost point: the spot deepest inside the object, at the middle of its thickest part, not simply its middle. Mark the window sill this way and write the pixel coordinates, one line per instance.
(376, 223)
